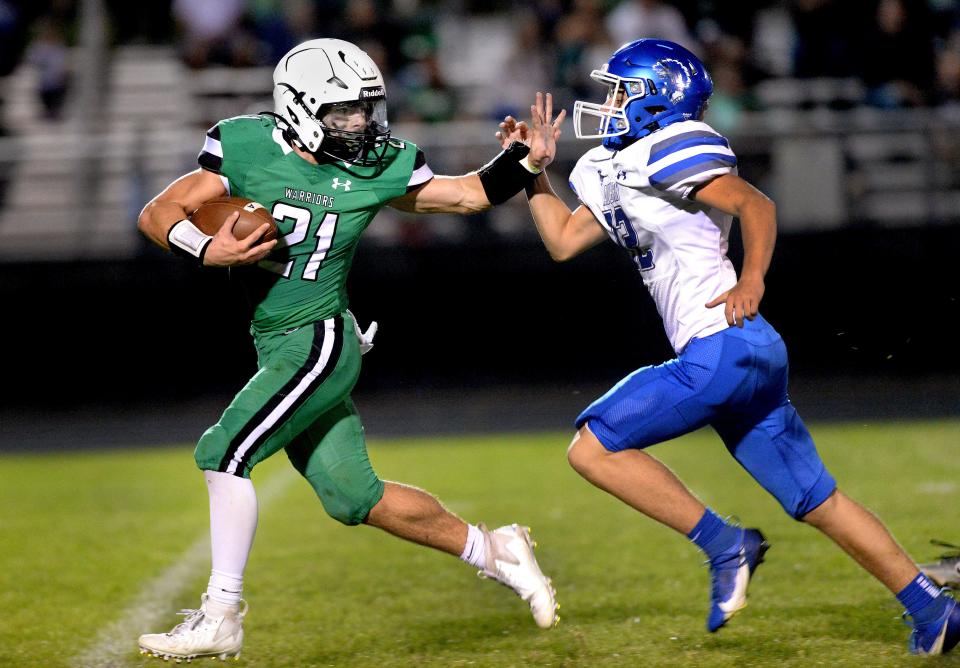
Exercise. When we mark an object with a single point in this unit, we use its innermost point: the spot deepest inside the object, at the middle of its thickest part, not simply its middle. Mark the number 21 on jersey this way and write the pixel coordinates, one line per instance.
(301, 225)
(627, 238)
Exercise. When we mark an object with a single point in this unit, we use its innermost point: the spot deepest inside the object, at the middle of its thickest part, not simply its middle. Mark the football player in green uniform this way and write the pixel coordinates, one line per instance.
(323, 163)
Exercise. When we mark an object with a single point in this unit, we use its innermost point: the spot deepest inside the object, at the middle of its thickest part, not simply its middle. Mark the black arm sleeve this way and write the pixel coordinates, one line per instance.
(504, 176)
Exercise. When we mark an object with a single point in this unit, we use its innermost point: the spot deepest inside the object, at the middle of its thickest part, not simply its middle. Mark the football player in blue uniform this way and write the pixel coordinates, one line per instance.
(663, 185)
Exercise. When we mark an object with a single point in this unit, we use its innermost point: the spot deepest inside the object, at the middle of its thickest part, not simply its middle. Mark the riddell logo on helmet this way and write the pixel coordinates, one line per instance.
(373, 91)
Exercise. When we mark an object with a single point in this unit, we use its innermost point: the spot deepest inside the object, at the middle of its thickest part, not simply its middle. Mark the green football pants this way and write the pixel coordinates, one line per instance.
(299, 400)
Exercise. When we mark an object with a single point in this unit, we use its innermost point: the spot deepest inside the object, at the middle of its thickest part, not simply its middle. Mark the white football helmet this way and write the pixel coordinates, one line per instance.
(331, 97)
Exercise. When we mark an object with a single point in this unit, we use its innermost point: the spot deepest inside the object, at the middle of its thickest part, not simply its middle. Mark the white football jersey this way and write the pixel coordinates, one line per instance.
(640, 196)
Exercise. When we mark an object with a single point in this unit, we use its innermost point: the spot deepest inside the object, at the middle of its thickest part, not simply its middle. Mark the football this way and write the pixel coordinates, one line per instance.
(210, 216)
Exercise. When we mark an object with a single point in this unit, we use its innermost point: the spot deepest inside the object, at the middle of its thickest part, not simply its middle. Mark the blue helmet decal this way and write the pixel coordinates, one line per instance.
(678, 73)
(651, 83)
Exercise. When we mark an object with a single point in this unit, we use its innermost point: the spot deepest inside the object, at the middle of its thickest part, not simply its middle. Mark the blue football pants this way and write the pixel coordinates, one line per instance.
(736, 382)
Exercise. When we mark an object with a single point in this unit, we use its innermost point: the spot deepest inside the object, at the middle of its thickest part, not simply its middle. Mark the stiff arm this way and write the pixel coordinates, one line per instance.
(514, 169)
(502, 176)
(445, 194)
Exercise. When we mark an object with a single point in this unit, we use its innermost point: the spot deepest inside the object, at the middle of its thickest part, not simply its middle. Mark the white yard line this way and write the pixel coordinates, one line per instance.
(116, 644)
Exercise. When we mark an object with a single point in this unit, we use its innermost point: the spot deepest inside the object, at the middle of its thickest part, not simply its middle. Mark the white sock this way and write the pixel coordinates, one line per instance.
(475, 551)
(233, 523)
(223, 592)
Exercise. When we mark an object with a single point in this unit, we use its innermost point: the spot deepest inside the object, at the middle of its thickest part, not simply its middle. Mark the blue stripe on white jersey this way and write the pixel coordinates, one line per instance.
(684, 140)
(691, 166)
(686, 155)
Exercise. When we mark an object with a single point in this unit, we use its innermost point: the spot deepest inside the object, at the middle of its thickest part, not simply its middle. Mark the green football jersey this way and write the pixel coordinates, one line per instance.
(321, 211)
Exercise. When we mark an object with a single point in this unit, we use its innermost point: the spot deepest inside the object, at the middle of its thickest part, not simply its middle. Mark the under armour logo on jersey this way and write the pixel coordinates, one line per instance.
(345, 184)
(621, 175)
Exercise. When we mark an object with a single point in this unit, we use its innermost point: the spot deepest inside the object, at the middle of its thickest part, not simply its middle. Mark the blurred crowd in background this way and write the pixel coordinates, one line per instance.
(906, 53)
(846, 112)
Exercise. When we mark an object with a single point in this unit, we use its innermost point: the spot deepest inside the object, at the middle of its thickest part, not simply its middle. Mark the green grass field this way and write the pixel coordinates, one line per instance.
(83, 535)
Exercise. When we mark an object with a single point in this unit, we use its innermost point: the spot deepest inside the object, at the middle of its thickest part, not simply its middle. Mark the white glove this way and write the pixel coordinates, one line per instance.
(365, 338)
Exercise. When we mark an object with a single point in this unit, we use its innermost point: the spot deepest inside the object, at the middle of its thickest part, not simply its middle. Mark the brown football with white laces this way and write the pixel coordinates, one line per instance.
(210, 217)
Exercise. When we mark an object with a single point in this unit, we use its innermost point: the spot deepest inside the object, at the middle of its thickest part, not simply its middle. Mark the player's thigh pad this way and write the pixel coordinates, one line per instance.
(779, 453)
(332, 455)
(302, 375)
(765, 434)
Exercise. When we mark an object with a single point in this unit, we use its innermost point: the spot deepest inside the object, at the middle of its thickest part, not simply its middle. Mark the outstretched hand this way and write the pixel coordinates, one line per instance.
(741, 301)
(225, 250)
(512, 130)
(541, 135)
(545, 132)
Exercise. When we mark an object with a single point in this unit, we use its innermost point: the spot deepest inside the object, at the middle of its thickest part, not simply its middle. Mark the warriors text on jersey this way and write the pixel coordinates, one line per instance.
(640, 196)
(321, 211)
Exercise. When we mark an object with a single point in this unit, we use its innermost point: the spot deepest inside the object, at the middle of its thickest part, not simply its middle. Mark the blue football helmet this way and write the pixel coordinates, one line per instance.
(651, 84)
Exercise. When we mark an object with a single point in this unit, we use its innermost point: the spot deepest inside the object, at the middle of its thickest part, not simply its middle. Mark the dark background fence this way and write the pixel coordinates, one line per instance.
(861, 302)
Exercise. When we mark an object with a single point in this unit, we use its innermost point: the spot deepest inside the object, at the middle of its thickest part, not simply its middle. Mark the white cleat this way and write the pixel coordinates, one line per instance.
(201, 634)
(510, 562)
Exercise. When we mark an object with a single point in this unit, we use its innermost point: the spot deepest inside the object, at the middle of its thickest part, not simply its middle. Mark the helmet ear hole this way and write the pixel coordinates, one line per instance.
(292, 115)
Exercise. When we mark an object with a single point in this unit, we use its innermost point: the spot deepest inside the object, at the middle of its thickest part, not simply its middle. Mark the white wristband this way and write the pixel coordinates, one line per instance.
(186, 239)
(527, 166)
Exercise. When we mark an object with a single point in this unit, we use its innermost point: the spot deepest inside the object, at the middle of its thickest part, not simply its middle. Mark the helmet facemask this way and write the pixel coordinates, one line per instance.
(355, 132)
(612, 114)
(352, 131)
